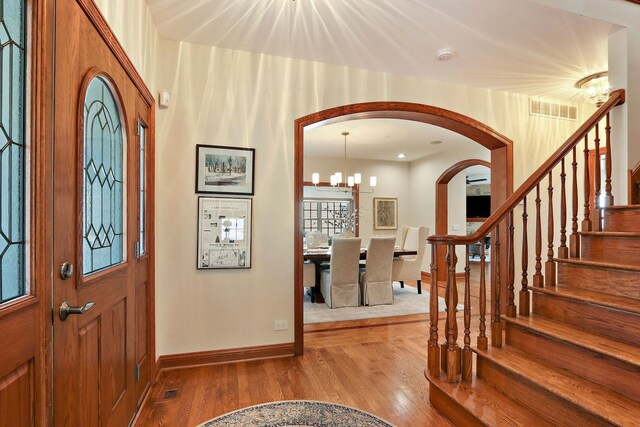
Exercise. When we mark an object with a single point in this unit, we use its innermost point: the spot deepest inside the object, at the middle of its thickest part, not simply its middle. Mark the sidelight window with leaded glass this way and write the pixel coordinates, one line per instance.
(13, 144)
(103, 179)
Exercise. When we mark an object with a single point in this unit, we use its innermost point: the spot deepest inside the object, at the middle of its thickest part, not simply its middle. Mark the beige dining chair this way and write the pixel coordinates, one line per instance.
(309, 277)
(376, 286)
(409, 267)
(339, 284)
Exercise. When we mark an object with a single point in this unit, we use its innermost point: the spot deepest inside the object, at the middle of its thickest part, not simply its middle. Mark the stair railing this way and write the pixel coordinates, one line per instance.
(449, 357)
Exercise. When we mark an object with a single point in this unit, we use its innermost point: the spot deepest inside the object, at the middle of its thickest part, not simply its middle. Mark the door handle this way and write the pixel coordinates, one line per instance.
(66, 309)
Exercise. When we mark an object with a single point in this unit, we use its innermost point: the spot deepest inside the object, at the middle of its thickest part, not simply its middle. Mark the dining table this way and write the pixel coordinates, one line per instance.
(321, 255)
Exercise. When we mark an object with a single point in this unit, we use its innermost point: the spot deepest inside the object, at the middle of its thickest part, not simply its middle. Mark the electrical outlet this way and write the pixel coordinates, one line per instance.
(280, 325)
(455, 227)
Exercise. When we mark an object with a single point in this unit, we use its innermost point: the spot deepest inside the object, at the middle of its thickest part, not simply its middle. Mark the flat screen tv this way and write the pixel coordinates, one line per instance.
(478, 206)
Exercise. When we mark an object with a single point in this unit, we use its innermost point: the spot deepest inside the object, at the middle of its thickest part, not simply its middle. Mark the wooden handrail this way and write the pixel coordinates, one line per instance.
(615, 98)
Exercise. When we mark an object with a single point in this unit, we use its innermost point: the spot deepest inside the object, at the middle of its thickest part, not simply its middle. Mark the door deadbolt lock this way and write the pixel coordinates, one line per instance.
(66, 270)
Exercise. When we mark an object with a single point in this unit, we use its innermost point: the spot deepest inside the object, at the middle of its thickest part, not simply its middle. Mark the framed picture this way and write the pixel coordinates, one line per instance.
(224, 170)
(385, 213)
(224, 233)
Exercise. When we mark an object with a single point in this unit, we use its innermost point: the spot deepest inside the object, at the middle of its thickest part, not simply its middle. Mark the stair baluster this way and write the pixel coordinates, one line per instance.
(586, 222)
(597, 179)
(563, 250)
(574, 239)
(433, 353)
(496, 324)
(452, 358)
(483, 342)
(608, 197)
(538, 279)
(550, 265)
(524, 302)
(511, 307)
(467, 355)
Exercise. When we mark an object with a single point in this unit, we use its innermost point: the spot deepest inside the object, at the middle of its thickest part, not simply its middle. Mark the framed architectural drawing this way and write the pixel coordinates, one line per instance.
(224, 170)
(385, 213)
(224, 232)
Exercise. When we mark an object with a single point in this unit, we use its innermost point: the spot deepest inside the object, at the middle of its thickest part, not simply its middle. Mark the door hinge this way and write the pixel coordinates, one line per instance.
(136, 250)
(136, 373)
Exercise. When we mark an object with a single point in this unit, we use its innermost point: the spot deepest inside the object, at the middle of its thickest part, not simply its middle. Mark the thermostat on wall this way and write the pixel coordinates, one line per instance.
(165, 98)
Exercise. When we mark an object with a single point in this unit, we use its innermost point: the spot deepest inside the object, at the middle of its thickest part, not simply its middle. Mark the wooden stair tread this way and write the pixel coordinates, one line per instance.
(599, 264)
(592, 397)
(563, 332)
(593, 297)
(610, 233)
(623, 207)
(487, 403)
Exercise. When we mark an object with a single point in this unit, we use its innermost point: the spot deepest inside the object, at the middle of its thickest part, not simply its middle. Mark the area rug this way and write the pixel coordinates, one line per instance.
(297, 413)
(406, 301)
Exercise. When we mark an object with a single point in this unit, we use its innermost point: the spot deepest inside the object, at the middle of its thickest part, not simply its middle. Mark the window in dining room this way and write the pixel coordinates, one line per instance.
(327, 216)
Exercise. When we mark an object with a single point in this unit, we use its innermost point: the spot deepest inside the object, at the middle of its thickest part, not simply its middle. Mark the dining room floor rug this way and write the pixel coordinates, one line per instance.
(299, 413)
(405, 301)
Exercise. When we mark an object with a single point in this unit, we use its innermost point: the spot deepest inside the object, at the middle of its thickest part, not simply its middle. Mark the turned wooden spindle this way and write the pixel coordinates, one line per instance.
(433, 352)
(511, 306)
(563, 250)
(574, 239)
(586, 221)
(550, 265)
(538, 279)
(524, 301)
(596, 169)
(608, 197)
(483, 341)
(467, 355)
(451, 358)
(496, 323)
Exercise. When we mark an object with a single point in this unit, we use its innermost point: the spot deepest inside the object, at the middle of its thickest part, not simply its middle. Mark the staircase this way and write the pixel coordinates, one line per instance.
(569, 353)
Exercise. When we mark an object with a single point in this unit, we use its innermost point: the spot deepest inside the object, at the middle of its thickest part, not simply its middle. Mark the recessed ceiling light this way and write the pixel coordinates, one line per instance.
(444, 54)
(401, 156)
(435, 142)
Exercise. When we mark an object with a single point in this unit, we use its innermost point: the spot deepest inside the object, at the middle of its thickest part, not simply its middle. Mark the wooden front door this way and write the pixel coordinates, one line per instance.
(101, 302)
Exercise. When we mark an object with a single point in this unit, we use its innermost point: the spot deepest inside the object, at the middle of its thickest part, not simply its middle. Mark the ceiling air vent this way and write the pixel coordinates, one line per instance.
(552, 109)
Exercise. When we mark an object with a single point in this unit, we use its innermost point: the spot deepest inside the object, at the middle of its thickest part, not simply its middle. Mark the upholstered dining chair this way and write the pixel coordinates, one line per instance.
(409, 267)
(309, 277)
(376, 286)
(339, 284)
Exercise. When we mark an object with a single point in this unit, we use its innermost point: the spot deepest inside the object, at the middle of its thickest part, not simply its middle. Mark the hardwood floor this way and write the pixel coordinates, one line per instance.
(376, 365)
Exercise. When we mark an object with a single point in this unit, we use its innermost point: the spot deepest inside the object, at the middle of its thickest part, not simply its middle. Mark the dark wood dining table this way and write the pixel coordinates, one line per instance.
(323, 255)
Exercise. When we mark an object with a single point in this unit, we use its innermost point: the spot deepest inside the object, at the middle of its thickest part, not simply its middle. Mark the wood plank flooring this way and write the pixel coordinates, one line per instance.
(374, 365)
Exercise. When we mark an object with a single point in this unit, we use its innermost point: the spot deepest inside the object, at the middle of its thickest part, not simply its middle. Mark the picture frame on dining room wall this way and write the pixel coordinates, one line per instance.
(385, 213)
(224, 170)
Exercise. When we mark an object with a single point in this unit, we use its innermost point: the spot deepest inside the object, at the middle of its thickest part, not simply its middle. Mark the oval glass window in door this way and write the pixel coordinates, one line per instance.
(103, 180)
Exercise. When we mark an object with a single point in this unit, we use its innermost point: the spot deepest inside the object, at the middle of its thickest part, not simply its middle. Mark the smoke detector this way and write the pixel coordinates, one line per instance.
(444, 54)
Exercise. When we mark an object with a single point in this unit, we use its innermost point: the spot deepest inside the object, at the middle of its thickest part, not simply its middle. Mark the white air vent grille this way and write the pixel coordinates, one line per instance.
(552, 109)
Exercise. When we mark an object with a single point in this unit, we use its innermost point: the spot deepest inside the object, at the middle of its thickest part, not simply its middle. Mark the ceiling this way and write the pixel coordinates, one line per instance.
(381, 139)
(513, 45)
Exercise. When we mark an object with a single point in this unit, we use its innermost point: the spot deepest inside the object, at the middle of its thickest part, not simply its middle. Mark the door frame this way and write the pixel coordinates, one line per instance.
(501, 159)
(442, 206)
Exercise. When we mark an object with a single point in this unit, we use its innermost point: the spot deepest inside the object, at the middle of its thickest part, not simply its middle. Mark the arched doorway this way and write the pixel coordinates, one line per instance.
(442, 203)
(501, 161)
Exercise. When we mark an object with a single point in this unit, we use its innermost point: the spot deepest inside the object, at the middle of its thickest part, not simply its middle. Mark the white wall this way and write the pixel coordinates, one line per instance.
(393, 181)
(228, 97)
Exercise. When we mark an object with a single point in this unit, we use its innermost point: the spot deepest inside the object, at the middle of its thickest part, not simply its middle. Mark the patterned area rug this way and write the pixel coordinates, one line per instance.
(297, 413)
(405, 301)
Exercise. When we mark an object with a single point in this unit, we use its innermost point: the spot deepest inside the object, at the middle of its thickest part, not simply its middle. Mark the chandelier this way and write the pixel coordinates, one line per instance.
(342, 181)
(595, 87)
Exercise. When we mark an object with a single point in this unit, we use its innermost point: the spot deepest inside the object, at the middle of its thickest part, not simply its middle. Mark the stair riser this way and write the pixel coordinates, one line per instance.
(622, 220)
(617, 324)
(559, 411)
(616, 374)
(620, 250)
(607, 280)
(449, 407)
